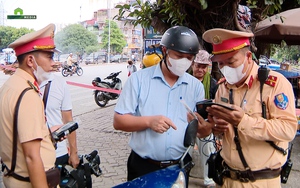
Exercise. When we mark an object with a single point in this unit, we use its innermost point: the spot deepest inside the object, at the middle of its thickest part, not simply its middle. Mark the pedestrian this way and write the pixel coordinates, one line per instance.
(58, 108)
(131, 67)
(263, 109)
(34, 150)
(206, 145)
(200, 71)
(133, 58)
(149, 105)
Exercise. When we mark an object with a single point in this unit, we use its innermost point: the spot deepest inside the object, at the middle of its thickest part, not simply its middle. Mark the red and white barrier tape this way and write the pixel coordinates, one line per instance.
(94, 87)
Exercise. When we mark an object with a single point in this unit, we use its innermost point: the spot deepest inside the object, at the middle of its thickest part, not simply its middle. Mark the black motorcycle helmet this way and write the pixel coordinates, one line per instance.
(181, 39)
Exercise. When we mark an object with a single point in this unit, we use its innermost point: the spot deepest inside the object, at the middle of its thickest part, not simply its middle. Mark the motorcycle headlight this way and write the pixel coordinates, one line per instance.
(96, 80)
(180, 181)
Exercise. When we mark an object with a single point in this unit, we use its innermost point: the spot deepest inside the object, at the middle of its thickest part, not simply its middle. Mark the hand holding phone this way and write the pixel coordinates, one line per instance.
(64, 130)
(187, 108)
(202, 105)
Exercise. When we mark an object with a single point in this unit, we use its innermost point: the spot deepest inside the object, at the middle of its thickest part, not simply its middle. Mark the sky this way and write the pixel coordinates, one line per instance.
(59, 12)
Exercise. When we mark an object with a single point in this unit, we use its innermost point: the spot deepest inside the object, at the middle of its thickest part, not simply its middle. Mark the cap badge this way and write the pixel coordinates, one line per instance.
(52, 35)
(217, 39)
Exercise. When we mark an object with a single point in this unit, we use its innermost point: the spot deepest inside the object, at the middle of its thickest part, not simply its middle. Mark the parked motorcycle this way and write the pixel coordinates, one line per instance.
(67, 70)
(172, 176)
(102, 97)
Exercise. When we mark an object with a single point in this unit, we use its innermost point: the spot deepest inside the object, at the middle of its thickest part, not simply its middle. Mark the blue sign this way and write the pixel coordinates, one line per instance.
(148, 43)
(151, 34)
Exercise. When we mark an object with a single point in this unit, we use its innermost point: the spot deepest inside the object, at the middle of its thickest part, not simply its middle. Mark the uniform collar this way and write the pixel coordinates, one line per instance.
(25, 75)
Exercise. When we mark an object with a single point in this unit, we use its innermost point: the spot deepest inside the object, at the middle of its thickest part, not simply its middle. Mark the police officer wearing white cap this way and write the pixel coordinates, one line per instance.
(35, 152)
(263, 109)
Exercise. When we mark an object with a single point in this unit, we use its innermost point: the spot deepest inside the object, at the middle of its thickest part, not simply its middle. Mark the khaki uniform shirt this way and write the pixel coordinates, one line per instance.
(279, 127)
(31, 126)
(70, 61)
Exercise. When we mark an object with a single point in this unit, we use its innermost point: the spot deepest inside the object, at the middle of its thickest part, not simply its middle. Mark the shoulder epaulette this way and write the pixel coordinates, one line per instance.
(221, 80)
(33, 86)
(271, 81)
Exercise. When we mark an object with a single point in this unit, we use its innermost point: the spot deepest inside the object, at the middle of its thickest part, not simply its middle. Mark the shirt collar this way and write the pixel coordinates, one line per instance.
(46, 81)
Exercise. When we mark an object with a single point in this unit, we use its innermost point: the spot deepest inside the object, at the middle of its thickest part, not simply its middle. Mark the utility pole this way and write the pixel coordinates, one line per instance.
(108, 15)
(80, 15)
(2, 14)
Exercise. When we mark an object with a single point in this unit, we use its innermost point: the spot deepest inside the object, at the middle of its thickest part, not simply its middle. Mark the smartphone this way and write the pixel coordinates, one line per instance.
(201, 107)
(64, 130)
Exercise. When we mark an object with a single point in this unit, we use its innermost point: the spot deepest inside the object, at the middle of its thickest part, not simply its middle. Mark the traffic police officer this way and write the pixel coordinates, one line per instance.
(35, 152)
(249, 122)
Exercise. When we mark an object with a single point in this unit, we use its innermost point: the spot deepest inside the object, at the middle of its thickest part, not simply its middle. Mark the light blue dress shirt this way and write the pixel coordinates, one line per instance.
(146, 93)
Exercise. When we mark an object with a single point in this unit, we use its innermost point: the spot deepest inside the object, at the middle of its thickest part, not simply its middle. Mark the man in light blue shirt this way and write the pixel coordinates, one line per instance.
(149, 105)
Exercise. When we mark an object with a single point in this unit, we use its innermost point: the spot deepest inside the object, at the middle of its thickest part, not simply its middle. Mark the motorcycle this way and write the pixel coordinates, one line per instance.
(102, 97)
(67, 70)
(172, 176)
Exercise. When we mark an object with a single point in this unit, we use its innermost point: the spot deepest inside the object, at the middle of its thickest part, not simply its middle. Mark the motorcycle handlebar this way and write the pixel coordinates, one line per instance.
(92, 155)
(113, 74)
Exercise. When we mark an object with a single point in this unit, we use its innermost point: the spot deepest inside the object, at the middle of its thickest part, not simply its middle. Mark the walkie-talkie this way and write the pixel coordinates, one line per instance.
(263, 74)
(287, 167)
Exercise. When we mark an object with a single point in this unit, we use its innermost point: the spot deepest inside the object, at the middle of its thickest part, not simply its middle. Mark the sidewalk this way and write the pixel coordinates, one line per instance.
(96, 132)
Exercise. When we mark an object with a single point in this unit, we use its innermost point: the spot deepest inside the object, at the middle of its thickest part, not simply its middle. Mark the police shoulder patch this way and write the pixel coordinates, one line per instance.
(271, 81)
(281, 101)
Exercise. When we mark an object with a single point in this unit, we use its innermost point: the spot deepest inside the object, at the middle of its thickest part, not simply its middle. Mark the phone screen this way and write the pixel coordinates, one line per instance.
(202, 105)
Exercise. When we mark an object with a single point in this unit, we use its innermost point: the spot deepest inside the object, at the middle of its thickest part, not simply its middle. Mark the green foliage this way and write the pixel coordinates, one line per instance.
(91, 49)
(203, 4)
(76, 39)
(175, 15)
(9, 34)
(284, 52)
(142, 13)
(117, 38)
(175, 12)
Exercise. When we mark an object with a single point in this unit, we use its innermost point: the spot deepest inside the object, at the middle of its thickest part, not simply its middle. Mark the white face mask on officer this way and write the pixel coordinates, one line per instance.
(234, 75)
(179, 66)
(40, 74)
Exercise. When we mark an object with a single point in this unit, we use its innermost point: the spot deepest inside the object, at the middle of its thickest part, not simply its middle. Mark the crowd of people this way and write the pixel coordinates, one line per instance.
(256, 126)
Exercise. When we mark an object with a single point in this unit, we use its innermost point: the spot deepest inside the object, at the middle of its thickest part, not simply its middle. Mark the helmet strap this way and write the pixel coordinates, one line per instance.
(165, 59)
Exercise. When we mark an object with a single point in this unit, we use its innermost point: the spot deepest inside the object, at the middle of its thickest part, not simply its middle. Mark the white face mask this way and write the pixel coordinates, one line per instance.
(179, 66)
(40, 74)
(234, 75)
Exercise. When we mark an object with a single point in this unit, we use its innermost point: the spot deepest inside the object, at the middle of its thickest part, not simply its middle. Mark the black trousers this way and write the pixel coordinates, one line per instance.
(138, 166)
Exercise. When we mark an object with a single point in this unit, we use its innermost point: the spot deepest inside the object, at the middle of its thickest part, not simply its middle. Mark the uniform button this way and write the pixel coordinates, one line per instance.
(242, 129)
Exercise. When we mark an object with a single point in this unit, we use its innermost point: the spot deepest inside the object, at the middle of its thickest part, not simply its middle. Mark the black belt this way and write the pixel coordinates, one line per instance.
(243, 176)
(163, 164)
